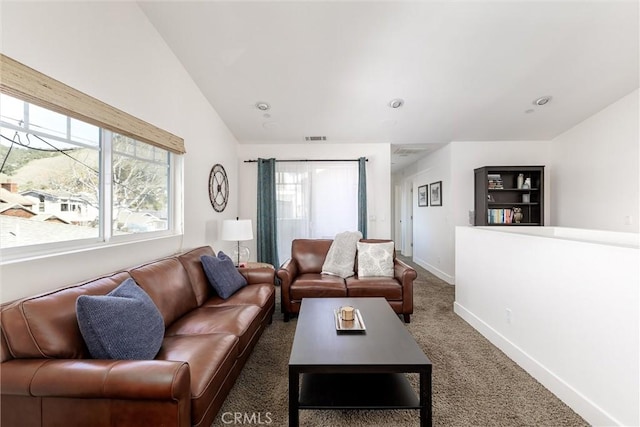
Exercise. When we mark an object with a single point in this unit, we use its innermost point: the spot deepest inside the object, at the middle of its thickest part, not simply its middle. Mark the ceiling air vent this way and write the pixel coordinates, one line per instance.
(315, 138)
(405, 151)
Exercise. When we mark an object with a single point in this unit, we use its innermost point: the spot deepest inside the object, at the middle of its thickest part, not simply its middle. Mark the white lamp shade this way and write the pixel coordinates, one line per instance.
(237, 229)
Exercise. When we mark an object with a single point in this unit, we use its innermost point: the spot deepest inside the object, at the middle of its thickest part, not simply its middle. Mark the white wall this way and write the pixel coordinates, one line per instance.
(573, 312)
(378, 178)
(596, 178)
(592, 180)
(110, 51)
(434, 227)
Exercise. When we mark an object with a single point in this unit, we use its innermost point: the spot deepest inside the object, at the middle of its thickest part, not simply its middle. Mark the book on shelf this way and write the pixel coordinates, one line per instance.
(500, 216)
(495, 181)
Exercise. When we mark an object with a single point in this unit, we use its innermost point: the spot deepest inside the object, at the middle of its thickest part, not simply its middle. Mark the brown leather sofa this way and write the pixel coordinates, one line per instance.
(48, 377)
(301, 277)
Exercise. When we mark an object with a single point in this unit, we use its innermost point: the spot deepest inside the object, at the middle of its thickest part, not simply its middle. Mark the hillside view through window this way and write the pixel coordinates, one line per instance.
(63, 179)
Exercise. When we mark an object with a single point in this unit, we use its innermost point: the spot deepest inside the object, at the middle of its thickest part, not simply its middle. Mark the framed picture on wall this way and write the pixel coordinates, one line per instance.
(422, 196)
(435, 191)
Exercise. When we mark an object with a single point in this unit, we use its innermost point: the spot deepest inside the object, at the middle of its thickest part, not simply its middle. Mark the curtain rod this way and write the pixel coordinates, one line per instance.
(310, 160)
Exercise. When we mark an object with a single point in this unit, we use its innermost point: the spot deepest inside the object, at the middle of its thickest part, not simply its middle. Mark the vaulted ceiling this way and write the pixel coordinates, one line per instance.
(465, 70)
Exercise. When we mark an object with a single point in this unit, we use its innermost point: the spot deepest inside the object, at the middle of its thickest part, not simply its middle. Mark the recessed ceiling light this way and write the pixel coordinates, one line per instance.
(262, 106)
(542, 100)
(396, 103)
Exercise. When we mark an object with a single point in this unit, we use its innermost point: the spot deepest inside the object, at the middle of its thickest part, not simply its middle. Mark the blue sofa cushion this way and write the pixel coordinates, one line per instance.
(222, 274)
(124, 324)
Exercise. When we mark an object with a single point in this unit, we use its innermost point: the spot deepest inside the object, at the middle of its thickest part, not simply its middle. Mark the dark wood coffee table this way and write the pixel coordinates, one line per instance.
(355, 370)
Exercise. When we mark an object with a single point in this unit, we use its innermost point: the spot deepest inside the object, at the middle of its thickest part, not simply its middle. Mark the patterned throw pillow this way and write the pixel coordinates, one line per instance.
(341, 257)
(124, 324)
(222, 274)
(375, 259)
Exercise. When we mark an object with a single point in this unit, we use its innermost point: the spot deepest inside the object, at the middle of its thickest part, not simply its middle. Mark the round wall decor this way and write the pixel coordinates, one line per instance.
(218, 188)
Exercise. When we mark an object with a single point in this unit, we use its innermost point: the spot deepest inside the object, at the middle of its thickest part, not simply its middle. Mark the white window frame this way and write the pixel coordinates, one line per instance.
(35, 88)
(105, 231)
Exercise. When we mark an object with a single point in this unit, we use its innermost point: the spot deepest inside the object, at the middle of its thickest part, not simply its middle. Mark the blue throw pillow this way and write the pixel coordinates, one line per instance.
(222, 274)
(222, 255)
(124, 324)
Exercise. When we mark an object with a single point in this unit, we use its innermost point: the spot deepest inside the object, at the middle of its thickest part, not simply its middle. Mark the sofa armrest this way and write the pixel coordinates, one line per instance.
(405, 274)
(256, 276)
(90, 378)
(287, 273)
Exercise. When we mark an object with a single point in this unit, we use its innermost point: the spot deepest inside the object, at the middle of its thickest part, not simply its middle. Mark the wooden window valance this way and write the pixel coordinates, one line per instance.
(25, 83)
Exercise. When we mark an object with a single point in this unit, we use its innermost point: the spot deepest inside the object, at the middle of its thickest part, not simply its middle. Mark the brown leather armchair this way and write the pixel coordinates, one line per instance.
(301, 277)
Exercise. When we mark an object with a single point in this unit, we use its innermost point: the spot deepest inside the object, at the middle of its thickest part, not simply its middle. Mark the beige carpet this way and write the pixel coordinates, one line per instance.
(474, 383)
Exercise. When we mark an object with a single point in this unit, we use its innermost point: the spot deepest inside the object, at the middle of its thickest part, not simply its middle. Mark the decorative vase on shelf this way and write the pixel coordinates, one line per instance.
(520, 180)
(527, 183)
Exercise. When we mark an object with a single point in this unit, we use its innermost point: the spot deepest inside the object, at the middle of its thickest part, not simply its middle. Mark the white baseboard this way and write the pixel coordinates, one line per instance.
(584, 407)
(435, 271)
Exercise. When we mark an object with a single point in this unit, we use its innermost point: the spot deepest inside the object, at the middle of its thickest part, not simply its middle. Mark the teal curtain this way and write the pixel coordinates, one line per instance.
(362, 196)
(267, 219)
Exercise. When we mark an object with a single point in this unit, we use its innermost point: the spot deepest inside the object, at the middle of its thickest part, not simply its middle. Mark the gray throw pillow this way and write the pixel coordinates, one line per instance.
(124, 324)
(341, 257)
(222, 274)
(375, 259)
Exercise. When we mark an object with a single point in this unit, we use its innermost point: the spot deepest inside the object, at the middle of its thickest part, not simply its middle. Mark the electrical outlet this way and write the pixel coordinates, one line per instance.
(507, 313)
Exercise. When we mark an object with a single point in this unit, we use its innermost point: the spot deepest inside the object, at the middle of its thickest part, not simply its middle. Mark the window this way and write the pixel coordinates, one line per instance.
(55, 184)
(76, 171)
(140, 186)
(307, 194)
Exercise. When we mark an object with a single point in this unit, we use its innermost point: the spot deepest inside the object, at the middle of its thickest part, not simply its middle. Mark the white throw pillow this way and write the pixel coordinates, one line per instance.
(375, 259)
(341, 257)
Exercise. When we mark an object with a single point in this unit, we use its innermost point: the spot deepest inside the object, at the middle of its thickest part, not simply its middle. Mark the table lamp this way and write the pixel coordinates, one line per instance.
(237, 230)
